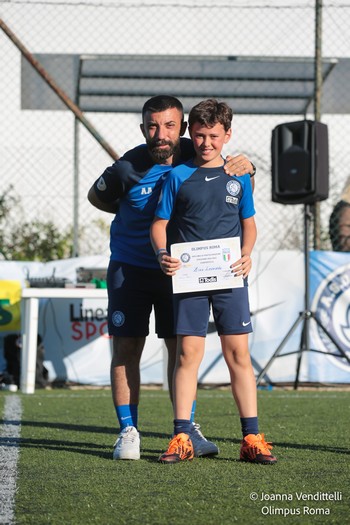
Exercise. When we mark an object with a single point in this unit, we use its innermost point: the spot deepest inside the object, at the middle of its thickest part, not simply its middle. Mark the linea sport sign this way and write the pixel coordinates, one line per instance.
(330, 301)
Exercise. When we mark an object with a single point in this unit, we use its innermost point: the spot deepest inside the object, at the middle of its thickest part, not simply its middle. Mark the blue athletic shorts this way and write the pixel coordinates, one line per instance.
(132, 292)
(230, 311)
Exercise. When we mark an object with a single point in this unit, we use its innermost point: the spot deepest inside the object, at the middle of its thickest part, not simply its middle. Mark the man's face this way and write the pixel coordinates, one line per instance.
(162, 133)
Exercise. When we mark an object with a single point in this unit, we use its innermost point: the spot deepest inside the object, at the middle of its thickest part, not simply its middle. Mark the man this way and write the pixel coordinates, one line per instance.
(130, 188)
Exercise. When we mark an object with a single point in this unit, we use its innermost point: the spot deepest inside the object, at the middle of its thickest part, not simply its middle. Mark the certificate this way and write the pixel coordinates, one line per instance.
(206, 265)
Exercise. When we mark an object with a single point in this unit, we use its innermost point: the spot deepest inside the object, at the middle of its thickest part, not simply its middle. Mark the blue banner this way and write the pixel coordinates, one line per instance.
(330, 302)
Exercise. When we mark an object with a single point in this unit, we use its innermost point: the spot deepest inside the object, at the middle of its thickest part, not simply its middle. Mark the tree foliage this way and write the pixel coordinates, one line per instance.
(35, 240)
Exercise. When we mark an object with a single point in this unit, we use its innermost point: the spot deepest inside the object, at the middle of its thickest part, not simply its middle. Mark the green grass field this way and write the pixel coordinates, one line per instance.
(66, 475)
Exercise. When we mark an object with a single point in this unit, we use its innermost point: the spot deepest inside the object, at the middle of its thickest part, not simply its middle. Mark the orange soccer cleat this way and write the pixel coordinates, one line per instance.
(255, 449)
(180, 449)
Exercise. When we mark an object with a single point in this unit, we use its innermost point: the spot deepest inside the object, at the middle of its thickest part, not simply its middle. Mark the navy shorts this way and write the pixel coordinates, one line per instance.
(132, 293)
(230, 311)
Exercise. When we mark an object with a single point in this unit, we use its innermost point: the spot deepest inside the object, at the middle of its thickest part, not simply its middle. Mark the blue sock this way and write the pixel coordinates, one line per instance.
(194, 404)
(249, 425)
(182, 425)
(127, 415)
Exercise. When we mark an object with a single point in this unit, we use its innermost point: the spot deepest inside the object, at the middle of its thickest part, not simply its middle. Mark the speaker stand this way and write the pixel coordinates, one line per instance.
(304, 317)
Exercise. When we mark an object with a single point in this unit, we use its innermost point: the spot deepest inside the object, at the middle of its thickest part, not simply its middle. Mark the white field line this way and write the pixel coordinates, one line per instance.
(204, 394)
(10, 432)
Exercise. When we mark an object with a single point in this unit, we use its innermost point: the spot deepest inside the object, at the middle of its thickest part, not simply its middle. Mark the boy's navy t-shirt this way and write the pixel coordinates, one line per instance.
(204, 203)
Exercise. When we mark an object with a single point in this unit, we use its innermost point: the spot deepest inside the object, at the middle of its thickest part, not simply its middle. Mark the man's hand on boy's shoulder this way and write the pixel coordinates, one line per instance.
(239, 165)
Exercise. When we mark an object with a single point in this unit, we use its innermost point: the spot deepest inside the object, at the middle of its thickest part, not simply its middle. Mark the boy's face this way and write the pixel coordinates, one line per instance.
(208, 143)
(162, 132)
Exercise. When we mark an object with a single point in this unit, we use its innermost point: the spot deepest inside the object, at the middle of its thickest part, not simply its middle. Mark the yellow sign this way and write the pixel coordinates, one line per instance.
(10, 305)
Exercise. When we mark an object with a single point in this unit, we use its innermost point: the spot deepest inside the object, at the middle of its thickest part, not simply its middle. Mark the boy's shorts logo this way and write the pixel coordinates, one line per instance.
(331, 305)
(118, 318)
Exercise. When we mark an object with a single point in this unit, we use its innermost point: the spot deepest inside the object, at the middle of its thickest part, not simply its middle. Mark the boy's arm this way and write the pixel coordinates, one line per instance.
(168, 264)
(244, 264)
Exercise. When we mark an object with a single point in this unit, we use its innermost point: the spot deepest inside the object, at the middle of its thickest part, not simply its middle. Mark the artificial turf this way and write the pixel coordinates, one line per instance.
(66, 474)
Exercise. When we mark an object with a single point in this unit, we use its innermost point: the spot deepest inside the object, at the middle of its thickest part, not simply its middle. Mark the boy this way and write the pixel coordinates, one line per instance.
(130, 189)
(204, 203)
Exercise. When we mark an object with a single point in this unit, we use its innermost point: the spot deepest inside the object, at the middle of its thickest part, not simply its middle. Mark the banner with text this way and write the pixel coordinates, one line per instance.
(78, 348)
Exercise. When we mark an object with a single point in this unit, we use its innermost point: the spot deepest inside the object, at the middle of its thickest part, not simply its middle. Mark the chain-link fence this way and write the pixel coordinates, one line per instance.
(51, 158)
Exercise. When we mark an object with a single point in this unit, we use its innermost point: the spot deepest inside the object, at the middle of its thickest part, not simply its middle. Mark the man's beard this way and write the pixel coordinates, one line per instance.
(160, 155)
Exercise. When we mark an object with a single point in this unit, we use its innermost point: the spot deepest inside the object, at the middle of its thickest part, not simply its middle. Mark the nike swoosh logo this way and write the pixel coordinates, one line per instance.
(245, 324)
(124, 418)
(207, 179)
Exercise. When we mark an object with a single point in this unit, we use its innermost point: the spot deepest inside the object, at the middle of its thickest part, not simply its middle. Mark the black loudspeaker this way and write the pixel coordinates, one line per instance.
(300, 162)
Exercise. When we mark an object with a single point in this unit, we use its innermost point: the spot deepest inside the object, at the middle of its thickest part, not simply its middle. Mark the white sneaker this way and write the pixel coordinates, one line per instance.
(201, 445)
(127, 445)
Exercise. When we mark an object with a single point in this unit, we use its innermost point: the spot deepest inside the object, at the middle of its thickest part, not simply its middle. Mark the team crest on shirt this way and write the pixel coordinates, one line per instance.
(233, 187)
(332, 306)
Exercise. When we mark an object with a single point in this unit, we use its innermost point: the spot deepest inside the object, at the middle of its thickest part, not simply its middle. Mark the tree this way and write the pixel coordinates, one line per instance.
(29, 241)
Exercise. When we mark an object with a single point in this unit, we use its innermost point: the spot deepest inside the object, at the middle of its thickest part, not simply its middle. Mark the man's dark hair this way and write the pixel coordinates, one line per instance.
(161, 103)
(210, 112)
(334, 225)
